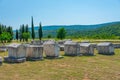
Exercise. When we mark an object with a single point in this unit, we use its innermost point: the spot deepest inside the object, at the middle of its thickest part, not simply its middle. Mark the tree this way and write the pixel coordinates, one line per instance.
(9, 30)
(40, 31)
(23, 28)
(49, 36)
(5, 37)
(6, 33)
(61, 33)
(26, 28)
(26, 35)
(20, 33)
(32, 25)
(0, 29)
(16, 34)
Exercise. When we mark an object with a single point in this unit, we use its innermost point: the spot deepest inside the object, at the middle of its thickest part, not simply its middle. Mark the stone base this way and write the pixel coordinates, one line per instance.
(107, 53)
(87, 54)
(14, 60)
(3, 50)
(34, 59)
(54, 57)
(0, 63)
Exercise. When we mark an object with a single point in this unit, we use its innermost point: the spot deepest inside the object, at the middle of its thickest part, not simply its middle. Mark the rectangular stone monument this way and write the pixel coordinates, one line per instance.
(3, 48)
(34, 52)
(51, 49)
(37, 42)
(0, 61)
(86, 49)
(16, 53)
(71, 48)
(105, 48)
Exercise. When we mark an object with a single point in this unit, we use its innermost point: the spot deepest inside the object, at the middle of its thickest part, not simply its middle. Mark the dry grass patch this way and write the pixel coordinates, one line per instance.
(98, 67)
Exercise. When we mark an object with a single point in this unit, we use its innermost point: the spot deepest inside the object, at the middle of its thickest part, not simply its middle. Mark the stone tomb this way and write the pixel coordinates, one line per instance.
(61, 44)
(106, 48)
(71, 48)
(34, 52)
(16, 53)
(86, 49)
(51, 49)
(3, 48)
(37, 42)
(0, 61)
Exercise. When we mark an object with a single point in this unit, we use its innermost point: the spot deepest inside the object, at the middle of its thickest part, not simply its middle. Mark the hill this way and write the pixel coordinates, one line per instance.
(80, 30)
(105, 32)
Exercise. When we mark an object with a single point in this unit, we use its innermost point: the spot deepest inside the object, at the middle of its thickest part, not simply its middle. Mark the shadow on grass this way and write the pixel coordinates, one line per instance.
(53, 57)
(12, 62)
(34, 60)
(79, 55)
(106, 54)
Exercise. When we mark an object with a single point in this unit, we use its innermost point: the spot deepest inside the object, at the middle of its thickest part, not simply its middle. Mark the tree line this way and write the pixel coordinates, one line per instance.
(23, 34)
(105, 32)
(6, 33)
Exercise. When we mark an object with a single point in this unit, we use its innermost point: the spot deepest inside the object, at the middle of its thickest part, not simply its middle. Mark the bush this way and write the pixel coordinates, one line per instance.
(26, 35)
(61, 33)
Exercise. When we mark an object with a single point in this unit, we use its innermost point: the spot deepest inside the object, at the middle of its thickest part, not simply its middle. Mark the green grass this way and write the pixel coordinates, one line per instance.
(98, 67)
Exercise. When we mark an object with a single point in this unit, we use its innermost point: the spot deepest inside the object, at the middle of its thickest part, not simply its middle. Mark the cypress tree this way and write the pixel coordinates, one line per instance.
(23, 30)
(40, 31)
(26, 28)
(20, 33)
(32, 25)
(16, 34)
(0, 29)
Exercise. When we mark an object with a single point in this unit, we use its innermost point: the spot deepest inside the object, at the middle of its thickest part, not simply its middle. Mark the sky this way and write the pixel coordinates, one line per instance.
(58, 12)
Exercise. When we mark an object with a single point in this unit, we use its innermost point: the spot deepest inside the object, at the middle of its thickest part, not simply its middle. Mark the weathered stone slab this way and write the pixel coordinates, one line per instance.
(105, 48)
(37, 42)
(0, 61)
(85, 41)
(116, 45)
(51, 49)
(34, 52)
(61, 42)
(94, 45)
(86, 49)
(71, 48)
(3, 48)
(14, 60)
(61, 47)
(16, 53)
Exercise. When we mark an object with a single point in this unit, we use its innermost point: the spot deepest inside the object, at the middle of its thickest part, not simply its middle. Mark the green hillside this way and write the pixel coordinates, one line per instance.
(105, 32)
(99, 31)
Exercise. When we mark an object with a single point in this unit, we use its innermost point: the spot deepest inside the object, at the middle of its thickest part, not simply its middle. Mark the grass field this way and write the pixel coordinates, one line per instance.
(98, 67)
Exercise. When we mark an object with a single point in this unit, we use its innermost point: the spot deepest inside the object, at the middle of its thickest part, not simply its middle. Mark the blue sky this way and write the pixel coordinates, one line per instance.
(58, 12)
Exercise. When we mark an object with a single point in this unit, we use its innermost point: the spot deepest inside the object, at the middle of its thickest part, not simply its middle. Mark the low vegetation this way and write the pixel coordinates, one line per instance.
(105, 32)
(98, 67)
(6, 33)
(61, 33)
